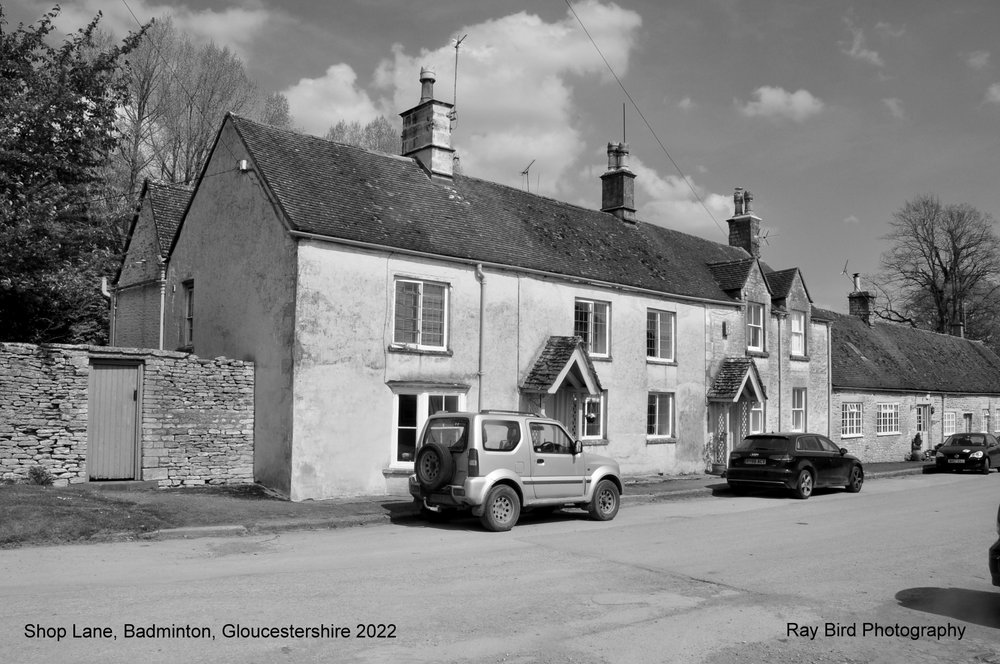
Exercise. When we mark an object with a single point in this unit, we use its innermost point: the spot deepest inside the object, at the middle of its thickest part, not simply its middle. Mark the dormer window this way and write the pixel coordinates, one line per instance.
(755, 327)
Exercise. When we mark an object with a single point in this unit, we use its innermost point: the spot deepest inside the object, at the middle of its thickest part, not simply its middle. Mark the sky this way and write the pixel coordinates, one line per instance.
(832, 113)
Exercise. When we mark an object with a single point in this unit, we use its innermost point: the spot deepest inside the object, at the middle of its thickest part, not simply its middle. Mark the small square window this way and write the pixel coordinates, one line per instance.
(660, 415)
(755, 326)
(660, 327)
(592, 323)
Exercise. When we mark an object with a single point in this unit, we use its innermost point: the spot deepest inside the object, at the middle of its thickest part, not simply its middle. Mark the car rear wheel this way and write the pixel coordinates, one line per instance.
(986, 466)
(857, 478)
(804, 485)
(433, 466)
(502, 509)
(606, 501)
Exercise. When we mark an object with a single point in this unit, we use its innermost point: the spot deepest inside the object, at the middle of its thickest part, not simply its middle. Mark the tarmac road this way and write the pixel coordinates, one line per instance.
(706, 579)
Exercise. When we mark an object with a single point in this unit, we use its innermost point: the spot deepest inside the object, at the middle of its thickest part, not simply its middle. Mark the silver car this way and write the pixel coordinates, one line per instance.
(498, 463)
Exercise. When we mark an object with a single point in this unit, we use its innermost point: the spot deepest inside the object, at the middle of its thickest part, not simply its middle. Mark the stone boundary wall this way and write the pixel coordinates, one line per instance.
(196, 424)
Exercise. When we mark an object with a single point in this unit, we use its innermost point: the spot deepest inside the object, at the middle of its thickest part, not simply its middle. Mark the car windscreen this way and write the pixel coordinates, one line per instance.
(965, 441)
(765, 443)
(452, 432)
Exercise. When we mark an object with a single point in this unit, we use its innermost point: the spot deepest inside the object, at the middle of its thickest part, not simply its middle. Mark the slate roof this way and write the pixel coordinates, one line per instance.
(732, 275)
(727, 383)
(169, 202)
(892, 357)
(781, 282)
(343, 192)
(557, 353)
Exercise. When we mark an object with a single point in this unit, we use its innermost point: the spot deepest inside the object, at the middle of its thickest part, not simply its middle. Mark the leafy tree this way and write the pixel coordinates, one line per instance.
(57, 118)
(379, 134)
(943, 268)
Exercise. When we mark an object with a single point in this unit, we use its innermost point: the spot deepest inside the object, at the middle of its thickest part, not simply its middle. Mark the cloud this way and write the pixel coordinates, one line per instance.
(686, 104)
(890, 30)
(515, 88)
(977, 59)
(852, 220)
(895, 107)
(672, 203)
(857, 48)
(311, 99)
(238, 27)
(777, 103)
(993, 94)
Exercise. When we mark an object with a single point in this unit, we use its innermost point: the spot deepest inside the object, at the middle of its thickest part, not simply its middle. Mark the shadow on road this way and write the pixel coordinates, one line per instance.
(973, 606)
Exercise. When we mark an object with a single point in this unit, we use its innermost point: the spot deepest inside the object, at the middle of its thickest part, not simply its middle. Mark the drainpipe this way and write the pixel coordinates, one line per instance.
(163, 297)
(481, 277)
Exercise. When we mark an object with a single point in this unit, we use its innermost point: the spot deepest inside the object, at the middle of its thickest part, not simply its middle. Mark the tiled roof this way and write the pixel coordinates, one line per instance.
(342, 192)
(730, 378)
(888, 356)
(781, 282)
(732, 275)
(169, 202)
(557, 353)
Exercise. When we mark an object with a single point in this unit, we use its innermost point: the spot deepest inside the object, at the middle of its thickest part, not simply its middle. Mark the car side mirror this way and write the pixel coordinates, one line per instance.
(843, 451)
(577, 447)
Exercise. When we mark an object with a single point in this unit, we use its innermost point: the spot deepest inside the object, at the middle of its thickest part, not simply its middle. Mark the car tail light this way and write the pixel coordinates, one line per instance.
(781, 458)
(473, 463)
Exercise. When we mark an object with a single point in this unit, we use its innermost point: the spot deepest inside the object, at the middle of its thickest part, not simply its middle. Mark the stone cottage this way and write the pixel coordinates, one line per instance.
(372, 290)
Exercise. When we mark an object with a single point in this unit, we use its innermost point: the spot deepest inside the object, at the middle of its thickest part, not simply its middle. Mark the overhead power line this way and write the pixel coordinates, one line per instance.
(638, 110)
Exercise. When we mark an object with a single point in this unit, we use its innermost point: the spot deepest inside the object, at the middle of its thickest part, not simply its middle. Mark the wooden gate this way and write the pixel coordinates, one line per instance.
(113, 420)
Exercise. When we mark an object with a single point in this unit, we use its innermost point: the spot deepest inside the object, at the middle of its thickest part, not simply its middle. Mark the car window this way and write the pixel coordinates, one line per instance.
(967, 440)
(500, 435)
(828, 446)
(769, 443)
(549, 439)
(452, 432)
(807, 444)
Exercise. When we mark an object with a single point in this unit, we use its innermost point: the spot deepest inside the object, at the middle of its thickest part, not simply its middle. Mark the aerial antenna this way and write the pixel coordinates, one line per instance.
(623, 123)
(453, 115)
(527, 178)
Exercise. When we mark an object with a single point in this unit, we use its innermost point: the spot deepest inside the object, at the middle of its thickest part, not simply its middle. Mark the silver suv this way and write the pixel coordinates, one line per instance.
(496, 463)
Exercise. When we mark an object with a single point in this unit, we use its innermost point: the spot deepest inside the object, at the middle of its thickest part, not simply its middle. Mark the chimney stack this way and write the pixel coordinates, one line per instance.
(427, 130)
(618, 184)
(861, 302)
(744, 225)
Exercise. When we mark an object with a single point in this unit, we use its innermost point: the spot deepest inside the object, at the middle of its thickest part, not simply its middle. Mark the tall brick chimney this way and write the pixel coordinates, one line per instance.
(744, 225)
(861, 302)
(427, 130)
(618, 184)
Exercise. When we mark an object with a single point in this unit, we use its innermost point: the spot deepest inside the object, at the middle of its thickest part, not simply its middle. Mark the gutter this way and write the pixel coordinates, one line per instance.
(510, 268)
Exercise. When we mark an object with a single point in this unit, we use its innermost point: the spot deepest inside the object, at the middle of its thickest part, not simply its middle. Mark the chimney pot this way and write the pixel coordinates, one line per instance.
(618, 184)
(738, 202)
(427, 130)
(427, 78)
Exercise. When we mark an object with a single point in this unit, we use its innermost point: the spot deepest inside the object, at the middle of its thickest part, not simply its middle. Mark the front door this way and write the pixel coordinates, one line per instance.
(113, 421)
(555, 471)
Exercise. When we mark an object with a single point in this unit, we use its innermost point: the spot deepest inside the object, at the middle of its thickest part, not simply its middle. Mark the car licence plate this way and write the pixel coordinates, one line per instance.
(956, 460)
(759, 462)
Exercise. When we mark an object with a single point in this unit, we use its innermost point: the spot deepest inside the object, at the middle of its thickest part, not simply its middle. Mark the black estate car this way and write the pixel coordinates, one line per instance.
(968, 451)
(797, 461)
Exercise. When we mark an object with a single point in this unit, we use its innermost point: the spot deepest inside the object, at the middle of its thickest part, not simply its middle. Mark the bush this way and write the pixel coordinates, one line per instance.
(39, 476)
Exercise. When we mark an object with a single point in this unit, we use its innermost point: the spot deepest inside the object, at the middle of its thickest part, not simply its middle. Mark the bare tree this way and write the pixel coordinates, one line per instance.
(943, 268)
(379, 134)
(276, 112)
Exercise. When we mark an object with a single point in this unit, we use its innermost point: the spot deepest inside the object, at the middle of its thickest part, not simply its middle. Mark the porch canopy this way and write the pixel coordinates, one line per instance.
(563, 363)
(738, 378)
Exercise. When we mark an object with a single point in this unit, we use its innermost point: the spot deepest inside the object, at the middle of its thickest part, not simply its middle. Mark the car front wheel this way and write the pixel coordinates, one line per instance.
(856, 480)
(606, 501)
(986, 466)
(502, 509)
(804, 485)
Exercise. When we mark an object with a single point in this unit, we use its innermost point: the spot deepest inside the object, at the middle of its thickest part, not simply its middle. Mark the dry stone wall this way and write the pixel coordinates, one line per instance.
(196, 415)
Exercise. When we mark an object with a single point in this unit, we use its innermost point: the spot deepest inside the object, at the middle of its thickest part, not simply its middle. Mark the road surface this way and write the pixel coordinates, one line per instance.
(896, 573)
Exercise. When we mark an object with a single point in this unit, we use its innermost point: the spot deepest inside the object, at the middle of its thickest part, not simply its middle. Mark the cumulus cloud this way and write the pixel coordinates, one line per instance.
(515, 88)
(857, 48)
(977, 59)
(777, 103)
(311, 99)
(895, 107)
(993, 94)
(672, 203)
